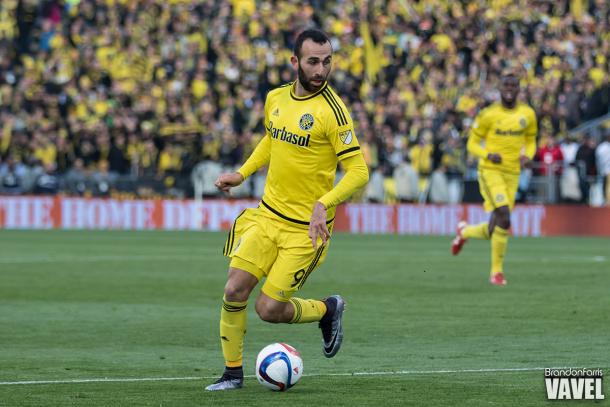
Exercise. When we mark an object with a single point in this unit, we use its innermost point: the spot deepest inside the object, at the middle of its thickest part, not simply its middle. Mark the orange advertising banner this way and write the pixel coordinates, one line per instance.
(34, 212)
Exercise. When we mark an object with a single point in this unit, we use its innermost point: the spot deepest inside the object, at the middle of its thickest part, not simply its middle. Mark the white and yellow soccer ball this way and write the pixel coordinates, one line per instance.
(279, 366)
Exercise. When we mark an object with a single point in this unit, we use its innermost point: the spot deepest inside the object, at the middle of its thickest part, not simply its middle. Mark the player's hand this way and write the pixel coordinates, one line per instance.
(525, 162)
(494, 158)
(226, 181)
(317, 225)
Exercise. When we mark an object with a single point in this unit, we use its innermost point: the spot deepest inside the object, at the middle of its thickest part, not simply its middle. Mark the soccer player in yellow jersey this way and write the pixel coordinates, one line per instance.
(503, 137)
(308, 131)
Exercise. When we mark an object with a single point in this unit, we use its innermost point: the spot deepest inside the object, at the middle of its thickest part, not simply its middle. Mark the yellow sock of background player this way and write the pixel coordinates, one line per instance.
(307, 310)
(232, 331)
(499, 240)
(480, 231)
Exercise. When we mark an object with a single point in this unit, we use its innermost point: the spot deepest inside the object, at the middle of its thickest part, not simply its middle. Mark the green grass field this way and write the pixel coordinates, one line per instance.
(140, 308)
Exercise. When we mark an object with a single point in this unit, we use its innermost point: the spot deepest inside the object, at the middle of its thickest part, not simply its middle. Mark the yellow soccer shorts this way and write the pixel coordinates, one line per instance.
(498, 188)
(268, 247)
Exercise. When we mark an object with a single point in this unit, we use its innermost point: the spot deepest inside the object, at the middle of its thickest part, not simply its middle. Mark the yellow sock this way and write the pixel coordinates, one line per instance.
(232, 331)
(499, 240)
(307, 310)
(480, 231)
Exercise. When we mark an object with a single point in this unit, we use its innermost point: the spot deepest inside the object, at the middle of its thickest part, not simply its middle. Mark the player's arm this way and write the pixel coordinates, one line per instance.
(356, 176)
(259, 158)
(475, 139)
(342, 136)
(530, 140)
(262, 153)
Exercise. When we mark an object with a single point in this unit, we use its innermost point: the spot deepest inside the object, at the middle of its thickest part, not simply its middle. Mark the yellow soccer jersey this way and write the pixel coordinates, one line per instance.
(308, 136)
(506, 132)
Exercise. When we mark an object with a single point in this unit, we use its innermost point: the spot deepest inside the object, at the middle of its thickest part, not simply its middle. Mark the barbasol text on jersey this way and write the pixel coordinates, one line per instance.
(287, 136)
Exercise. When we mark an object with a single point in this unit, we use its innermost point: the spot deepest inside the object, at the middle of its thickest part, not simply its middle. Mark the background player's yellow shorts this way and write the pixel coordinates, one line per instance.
(266, 246)
(498, 188)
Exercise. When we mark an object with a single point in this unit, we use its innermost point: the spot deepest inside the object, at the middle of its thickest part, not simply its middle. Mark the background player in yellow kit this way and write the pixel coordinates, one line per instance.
(503, 137)
(308, 131)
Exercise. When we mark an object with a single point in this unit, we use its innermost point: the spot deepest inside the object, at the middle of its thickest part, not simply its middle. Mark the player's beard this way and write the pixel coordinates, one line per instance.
(306, 82)
(509, 102)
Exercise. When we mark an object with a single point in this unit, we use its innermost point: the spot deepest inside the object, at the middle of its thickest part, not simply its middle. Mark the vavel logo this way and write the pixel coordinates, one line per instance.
(574, 384)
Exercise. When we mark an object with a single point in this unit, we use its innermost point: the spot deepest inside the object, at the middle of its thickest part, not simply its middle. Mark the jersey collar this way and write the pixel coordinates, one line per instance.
(313, 95)
(507, 109)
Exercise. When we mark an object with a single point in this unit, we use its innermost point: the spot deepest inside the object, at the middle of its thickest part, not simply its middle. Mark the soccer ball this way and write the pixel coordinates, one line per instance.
(279, 366)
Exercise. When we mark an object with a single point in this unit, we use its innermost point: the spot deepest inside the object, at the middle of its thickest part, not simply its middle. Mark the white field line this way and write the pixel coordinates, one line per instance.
(185, 378)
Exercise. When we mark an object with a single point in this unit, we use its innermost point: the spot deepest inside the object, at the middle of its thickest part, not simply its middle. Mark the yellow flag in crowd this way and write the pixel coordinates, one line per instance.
(577, 7)
(373, 53)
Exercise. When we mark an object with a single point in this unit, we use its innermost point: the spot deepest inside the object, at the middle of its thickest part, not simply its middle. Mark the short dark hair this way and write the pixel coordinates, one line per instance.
(511, 71)
(317, 36)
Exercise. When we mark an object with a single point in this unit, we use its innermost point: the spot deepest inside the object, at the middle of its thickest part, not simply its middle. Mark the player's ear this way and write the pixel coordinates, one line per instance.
(295, 62)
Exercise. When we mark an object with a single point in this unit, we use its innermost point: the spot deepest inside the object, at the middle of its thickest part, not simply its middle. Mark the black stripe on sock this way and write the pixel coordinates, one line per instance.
(298, 311)
(233, 308)
(227, 305)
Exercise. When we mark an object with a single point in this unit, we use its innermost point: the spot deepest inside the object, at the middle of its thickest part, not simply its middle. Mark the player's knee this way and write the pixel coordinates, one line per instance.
(505, 224)
(269, 313)
(503, 217)
(235, 292)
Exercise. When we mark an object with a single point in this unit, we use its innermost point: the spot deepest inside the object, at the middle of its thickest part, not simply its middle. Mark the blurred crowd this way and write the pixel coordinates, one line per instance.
(94, 91)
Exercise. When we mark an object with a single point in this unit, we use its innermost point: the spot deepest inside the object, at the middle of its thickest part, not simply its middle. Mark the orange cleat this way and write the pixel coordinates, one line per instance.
(458, 241)
(497, 279)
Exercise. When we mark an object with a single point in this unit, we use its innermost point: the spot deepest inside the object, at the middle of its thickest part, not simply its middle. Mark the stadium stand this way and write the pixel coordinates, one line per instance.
(125, 98)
